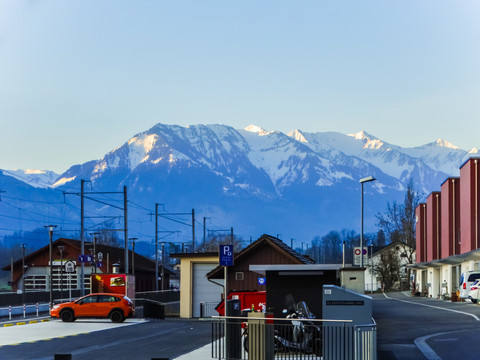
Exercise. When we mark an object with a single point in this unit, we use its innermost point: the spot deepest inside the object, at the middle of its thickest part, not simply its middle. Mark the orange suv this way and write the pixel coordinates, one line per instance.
(116, 307)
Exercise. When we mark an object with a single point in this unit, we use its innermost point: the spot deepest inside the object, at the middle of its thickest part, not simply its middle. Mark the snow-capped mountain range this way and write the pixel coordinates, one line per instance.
(297, 185)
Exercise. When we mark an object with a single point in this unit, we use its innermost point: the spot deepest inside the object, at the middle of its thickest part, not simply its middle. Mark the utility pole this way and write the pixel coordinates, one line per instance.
(133, 254)
(82, 195)
(156, 249)
(193, 230)
(61, 248)
(23, 273)
(11, 272)
(163, 265)
(82, 239)
(125, 227)
(50, 235)
(204, 230)
(95, 251)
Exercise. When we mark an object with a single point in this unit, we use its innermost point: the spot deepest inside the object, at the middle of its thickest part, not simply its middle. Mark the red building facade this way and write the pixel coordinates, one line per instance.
(450, 209)
(433, 226)
(449, 223)
(421, 232)
(469, 205)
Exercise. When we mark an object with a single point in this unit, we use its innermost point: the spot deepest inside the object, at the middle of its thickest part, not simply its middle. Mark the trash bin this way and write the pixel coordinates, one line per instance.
(233, 330)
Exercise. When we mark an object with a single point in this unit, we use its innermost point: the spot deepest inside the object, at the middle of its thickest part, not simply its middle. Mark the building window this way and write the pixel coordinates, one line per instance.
(239, 276)
(69, 280)
(35, 282)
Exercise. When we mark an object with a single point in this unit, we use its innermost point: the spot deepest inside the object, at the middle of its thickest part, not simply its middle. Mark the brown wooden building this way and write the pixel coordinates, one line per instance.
(66, 252)
(266, 250)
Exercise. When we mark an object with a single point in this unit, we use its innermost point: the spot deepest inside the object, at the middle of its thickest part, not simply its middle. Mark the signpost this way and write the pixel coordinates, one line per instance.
(226, 255)
(356, 255)
(225, 259)
(85, 258)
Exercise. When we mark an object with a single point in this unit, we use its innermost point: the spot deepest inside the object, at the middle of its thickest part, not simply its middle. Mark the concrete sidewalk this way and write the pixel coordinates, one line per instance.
(203, 353)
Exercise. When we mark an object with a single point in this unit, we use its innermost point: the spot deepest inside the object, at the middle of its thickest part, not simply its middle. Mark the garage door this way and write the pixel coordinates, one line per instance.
(204, 291)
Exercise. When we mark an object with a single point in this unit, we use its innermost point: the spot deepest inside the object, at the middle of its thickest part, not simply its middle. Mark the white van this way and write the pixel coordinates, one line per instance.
(467, 279)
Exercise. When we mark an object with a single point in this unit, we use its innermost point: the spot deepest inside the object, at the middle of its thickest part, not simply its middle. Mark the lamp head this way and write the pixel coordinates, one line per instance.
(367, 179)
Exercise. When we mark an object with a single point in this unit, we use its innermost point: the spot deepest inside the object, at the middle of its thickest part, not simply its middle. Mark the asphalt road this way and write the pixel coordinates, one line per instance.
(423, 328)
(407, 328)
(138, 340)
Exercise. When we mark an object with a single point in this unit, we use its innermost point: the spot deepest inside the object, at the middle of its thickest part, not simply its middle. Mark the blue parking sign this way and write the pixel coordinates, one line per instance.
(225, 255)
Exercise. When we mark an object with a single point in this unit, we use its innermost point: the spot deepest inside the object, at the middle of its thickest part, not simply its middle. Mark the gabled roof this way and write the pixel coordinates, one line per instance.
(379, 250)
(275, 243)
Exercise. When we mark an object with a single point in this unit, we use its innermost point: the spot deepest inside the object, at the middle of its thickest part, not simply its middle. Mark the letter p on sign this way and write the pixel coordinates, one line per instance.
(225, 255)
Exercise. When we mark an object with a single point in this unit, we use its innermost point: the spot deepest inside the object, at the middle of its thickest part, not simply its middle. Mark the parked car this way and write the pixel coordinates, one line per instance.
(115, 307)
(474, 294)
(467, 279)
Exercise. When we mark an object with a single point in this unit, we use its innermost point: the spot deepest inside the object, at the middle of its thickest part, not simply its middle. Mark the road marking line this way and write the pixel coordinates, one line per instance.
(435, 307)
(422, 345)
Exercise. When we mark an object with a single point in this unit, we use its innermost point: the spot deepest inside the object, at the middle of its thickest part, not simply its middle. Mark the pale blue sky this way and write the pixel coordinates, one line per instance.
(79, 78)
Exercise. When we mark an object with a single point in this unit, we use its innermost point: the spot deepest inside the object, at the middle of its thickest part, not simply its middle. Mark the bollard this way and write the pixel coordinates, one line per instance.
(37, 309)
(9, 312)
(24, 315)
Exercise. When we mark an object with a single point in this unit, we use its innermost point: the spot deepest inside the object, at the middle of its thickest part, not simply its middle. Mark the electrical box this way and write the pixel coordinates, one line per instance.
(343, 304)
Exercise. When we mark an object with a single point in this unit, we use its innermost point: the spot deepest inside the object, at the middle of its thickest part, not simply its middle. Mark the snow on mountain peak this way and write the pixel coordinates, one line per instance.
(139, 148)
(474, 150)
(256, 129)
(444, 143)
(362, 135)
(34, 171)
(297, 135)
(371, 142)
(34, 177)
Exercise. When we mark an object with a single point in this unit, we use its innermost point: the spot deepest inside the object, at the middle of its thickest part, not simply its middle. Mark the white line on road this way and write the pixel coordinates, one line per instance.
(422, 345)
(434, 307)
(421, 342)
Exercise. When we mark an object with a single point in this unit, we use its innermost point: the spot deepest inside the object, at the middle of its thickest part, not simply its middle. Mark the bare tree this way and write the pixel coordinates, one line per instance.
(398, 223)
(388, 269)
(212, 243)
(107, 235)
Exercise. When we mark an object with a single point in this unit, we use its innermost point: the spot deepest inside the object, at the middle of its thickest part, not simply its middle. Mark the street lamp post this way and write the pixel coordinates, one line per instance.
(133, 254)
(163, 264)
(61, 248)
(362, 181)
(50, 234)
(23, 273)
(95, 251)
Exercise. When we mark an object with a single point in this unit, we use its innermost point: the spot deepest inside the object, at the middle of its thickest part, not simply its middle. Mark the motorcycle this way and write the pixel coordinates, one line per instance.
(300, 335)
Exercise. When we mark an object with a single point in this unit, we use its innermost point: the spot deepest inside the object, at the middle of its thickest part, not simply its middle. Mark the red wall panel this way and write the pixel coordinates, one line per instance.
(469, 205)
(433, 226)
(450, 217)
(420, 233)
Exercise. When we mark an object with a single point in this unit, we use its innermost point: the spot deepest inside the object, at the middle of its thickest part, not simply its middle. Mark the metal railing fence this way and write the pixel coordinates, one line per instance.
(207, 309)
(305, 339)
